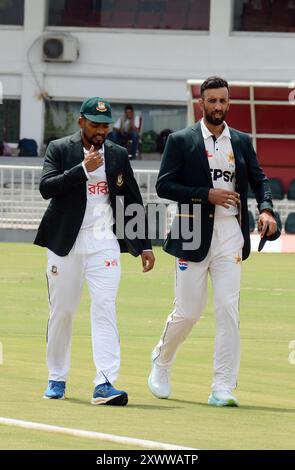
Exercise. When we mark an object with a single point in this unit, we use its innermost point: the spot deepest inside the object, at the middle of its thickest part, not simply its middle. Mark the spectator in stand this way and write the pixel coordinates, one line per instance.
(126, 129)
(5, 149)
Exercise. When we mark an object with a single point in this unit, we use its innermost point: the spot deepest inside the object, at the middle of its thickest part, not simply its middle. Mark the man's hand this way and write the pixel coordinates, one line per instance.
(223, 197)
(266, 224)
(148, 260)
(93, 160)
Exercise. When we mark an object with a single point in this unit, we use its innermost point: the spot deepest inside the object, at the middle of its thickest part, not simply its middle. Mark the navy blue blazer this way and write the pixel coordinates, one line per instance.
(185, 177)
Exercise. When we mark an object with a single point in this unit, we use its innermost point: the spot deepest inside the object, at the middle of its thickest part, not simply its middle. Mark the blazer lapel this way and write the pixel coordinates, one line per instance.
(110, 160)
(77, 154)
(201, 150)
(235, 141)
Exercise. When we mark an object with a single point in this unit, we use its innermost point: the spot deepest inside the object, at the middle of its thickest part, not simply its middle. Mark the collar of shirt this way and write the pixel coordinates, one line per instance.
(101, 150)
(206, 133)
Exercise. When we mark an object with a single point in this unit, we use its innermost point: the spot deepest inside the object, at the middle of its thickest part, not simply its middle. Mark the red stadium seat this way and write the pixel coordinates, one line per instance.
(149, 14)
(282, 15)
(277, 189)
(175, 14)
(256, 15)
(290, 223)
(124, 15)
(198, 17)
(291, 190)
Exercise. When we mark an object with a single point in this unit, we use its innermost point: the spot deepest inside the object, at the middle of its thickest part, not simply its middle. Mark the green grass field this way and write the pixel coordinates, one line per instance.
(265, 419)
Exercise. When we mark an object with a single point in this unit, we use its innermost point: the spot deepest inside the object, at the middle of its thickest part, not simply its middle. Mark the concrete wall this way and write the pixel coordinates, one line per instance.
(134, 65)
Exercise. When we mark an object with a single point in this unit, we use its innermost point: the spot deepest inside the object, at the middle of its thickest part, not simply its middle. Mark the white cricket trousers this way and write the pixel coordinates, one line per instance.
(223, 263)
(65, 276)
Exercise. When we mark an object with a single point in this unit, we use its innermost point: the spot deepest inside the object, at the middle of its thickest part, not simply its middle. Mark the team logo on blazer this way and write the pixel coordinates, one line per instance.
(120, 180)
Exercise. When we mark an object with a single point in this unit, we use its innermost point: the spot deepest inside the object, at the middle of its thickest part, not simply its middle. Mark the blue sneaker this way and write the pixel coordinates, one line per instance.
(55, 390)
(222, 399)
(106, 394)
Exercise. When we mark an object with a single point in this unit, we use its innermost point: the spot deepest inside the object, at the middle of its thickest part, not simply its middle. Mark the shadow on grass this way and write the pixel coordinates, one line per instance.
(78, 401)
(241, 407)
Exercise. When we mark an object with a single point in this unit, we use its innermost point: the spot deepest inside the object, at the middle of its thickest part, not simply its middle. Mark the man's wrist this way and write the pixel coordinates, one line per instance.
(85, 170)
(268, 211)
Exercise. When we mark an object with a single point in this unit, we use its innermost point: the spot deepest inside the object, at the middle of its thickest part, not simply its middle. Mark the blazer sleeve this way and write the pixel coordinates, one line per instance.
(54, 181)
(257, 179)
(132, 196)
(167, 185)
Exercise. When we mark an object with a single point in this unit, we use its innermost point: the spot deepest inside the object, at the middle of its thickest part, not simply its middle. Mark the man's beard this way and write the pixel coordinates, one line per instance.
(92, 142)
(215, 120)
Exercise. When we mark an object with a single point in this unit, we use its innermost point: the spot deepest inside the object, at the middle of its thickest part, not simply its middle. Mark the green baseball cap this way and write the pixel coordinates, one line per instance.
(97, 110)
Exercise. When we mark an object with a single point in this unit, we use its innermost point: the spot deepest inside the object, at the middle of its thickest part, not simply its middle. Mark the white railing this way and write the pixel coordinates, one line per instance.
(21, 205)
(282, 206)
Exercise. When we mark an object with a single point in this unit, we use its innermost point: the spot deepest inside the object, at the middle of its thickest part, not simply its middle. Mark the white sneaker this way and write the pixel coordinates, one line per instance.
(222, 398)
(158, 381)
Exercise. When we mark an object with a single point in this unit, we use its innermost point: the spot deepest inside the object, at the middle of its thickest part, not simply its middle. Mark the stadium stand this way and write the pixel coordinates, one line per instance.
(282, 13)
(290, 223)
(174, 17)
(124, 15)
(198, 15)
(268, 15)
(291, 190)
(276, 188)
(251, 221)
(256, 15)
(279, 221)
(76, 12)
(149, 14)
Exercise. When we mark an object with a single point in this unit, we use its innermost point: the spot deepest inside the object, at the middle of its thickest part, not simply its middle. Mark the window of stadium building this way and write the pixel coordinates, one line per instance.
(264, 15)
(157, 121)
(10, 120)
(132, 14)
(12, 12)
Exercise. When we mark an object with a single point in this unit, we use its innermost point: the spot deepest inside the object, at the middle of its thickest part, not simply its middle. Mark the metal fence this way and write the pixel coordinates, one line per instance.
(21, 205)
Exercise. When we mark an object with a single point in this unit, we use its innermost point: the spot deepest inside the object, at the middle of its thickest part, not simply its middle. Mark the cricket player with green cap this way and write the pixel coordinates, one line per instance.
(83, 175)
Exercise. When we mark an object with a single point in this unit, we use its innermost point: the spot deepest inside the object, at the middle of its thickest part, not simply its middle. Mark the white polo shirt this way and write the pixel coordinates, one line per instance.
(222, 164)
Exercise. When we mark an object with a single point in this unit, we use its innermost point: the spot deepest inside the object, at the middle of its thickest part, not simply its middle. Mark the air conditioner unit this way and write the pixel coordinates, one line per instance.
(59, 48)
